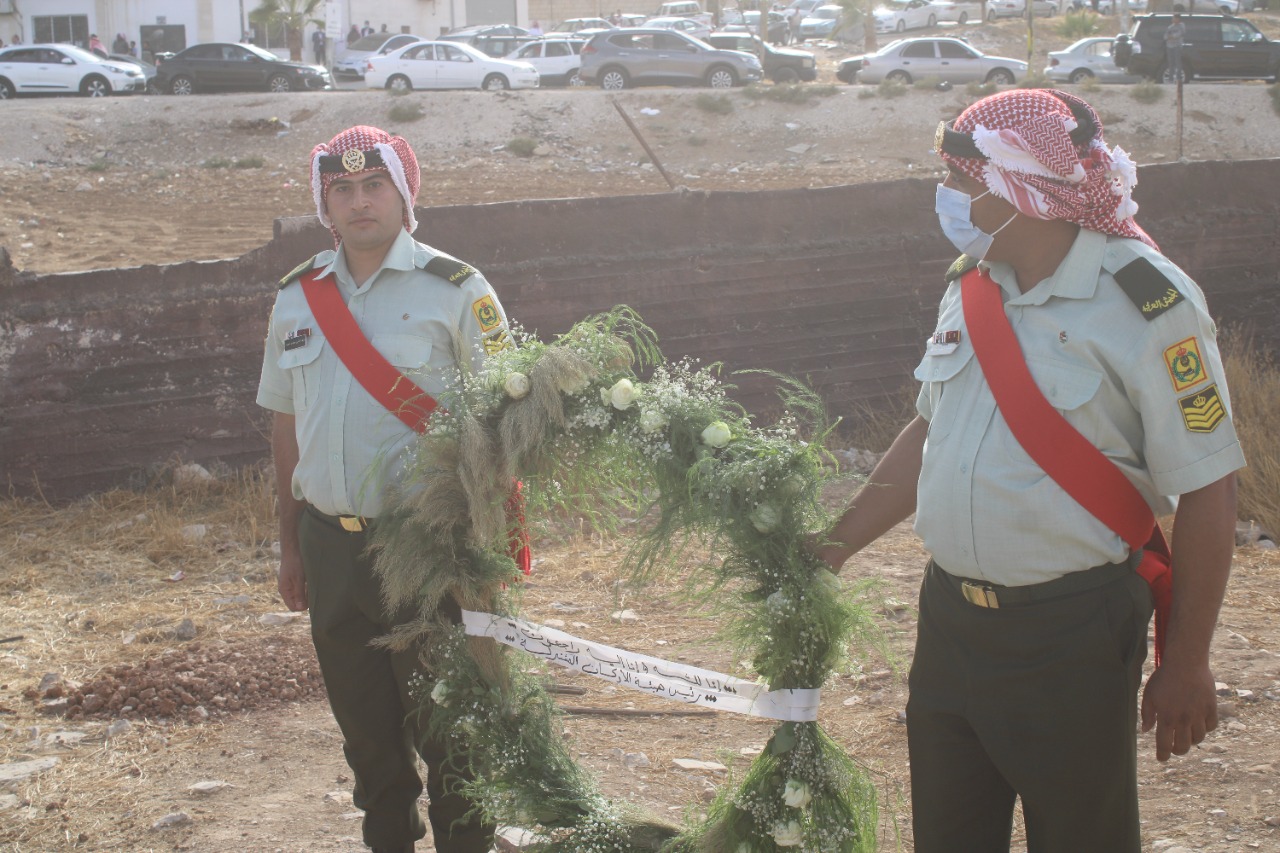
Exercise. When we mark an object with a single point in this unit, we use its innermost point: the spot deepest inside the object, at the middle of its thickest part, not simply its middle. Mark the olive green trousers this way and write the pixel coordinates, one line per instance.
(369, 693)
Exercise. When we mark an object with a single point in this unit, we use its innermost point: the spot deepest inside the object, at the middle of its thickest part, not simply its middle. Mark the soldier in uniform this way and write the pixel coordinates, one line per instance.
(338, 449)
(1033, 622)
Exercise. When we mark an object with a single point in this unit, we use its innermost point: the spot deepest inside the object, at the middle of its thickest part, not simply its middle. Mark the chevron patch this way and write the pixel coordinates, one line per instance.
(1203, 411)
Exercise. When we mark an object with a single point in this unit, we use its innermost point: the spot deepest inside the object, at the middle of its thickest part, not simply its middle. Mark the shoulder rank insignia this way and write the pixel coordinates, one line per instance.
(454, 272)
(1185, 364)
(959, 267)
(487, 315)
(1147, 288)
(298, 271)
(1203, 411)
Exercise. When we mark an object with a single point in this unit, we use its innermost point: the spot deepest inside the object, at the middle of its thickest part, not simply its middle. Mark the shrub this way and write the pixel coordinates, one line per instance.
(249, 163)
(891, 89)
(1034, 80)
(1077, 25)
(99, 165)
(980, 90)
(696, 141)
(522, 146)
(1090, 84)
(715, 104)
(1146, 92)
(216, 163)
(405, 112)
(926, 84)
(1254, 379)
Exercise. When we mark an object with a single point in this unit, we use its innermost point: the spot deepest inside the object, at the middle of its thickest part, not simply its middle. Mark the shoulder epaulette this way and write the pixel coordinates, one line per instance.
(1147, 288)
(960, 266)
(298, 271)
(449, 269)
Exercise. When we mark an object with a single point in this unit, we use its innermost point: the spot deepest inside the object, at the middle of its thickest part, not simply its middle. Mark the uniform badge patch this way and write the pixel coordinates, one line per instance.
(486, 314)
(296, 339)
(1186, 366)
(497, 343)
(454, 272)
(1203, 411)
(1147, 288)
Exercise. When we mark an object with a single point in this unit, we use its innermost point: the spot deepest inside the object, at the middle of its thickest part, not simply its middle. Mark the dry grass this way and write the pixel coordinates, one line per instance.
(1254, 380)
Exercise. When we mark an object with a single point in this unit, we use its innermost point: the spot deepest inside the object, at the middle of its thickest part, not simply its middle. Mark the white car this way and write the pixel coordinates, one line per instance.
(353, 59)
(949, 59)
(44, 69)
(1018, 8)
(446, 65)
(821, 23)
(688, 26)
(557, 59)
(1089, 57)
(959, 11)
(902, 15)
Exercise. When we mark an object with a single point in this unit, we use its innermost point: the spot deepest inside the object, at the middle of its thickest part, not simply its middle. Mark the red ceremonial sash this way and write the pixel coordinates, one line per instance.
(1069, 458)
(396, 392)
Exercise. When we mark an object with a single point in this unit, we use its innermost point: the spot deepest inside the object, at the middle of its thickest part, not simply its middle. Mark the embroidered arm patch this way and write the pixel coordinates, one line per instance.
(1147, 288)
(1185, 364)
(1203, 411)
(486, 314)
(454, 272)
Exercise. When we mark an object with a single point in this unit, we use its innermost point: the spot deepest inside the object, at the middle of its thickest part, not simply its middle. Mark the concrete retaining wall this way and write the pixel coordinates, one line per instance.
(107, 375)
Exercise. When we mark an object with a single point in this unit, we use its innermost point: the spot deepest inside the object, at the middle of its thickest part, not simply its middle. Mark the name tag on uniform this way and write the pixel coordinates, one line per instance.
(296, 339)
(943, 343)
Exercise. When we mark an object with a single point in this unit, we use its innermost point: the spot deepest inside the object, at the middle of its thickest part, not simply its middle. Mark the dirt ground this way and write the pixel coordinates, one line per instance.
(95, 591)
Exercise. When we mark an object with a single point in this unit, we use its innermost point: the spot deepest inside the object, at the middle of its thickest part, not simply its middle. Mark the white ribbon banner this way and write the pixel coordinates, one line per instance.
(652, 675)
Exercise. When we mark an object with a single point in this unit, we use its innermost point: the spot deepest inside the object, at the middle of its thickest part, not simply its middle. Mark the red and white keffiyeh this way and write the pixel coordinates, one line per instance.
(398, 161)
(1032, 162)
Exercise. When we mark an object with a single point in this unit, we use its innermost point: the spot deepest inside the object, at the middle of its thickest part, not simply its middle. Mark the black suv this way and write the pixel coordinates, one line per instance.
(781, 65)
(1214, 46)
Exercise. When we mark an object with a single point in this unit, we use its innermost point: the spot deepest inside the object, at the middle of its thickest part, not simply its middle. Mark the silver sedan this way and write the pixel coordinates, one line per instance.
(947, 59)
(1089, 57)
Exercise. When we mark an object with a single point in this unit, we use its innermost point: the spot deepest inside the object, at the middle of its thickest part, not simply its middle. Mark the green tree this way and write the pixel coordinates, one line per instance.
(293, 15)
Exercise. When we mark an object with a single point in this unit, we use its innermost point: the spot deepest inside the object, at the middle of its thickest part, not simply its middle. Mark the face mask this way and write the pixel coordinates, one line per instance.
(952, 207)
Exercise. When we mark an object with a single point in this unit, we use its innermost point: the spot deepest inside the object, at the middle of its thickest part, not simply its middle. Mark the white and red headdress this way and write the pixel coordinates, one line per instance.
(364, 149)
(1042, 151)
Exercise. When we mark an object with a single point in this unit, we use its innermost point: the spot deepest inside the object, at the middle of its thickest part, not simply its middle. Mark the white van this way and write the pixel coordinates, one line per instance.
(691, 9)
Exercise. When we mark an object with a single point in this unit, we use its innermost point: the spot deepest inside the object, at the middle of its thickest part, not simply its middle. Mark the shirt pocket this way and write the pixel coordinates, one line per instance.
(1066, 386)
(302, 366)
(409, 353)
(939, 374)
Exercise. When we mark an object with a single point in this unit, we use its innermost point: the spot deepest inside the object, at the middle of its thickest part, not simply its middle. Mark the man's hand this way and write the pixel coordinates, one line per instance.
(1182, 705)
(292, 583)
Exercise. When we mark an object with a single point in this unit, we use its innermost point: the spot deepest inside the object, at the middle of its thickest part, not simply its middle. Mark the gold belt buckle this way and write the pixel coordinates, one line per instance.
(351, 523)
(982, 596)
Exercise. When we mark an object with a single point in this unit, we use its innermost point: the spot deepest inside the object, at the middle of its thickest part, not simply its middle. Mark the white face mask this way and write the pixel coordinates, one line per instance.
(952, 207)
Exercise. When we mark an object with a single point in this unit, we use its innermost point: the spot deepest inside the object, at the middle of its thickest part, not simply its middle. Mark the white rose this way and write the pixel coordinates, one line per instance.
(651, 420)
(788, 834)
(604, 397)
(716, 434)
(777, 602)
(516, 385)
(765, 518)
(440, 693)
(622, 394)
(796, 794)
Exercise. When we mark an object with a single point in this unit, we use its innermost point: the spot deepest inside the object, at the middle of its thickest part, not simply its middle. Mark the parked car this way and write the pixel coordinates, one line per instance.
(446, 65)
(643, 56)
(351, 63)
(1018, 9)
(626, 19)
(1087, 58)
(950, 59)
(902, 15)
(688, 26)
(557, 59)
(580, 27)
(781, 64)
(737, 21)
(683, 9)
(243, 67)
(1214, 47)
(821, 23)
(1110, 7)
(495, 40)
(38, 69)
(148, 70)
(958, 11)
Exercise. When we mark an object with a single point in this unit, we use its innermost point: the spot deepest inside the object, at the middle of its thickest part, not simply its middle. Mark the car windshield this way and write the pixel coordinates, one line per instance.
(825, 13)
(372, 42)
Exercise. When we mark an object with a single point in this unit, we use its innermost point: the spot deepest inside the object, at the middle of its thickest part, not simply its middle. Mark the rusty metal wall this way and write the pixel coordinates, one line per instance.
(107, 375)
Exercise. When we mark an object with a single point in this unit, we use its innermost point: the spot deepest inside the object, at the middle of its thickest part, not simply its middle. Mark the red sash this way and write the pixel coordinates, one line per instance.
(396, 392)
(1065, 455)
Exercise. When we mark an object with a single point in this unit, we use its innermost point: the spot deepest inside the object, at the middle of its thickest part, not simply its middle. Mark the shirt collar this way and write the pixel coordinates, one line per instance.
(398, 257)
(1075, 278)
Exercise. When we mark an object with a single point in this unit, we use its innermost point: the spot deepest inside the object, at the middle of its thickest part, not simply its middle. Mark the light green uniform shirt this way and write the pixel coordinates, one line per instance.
(350, 447)
(1141, 389)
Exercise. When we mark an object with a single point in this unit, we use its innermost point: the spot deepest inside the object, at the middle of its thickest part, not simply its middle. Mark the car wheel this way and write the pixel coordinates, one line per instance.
(991, 15)
(181, 85)
(899, 76)
(902, 26)
(95, 87)
(1226, 11)
(1001, 77)
(964, 18)
(614, 79)
(278, 83)
(399, 84)
(1080, 75)
(721, 77)
(933, 21)
(151, 88)
(495, 83)
(785, 75)
(575, 79)
(6, 90)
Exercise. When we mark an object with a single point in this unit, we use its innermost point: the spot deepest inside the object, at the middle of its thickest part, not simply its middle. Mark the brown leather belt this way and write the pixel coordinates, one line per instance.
(349, 523)
(994, 596)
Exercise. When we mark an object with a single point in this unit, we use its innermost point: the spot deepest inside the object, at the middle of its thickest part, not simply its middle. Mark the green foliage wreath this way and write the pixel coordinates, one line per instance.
(573, 420)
